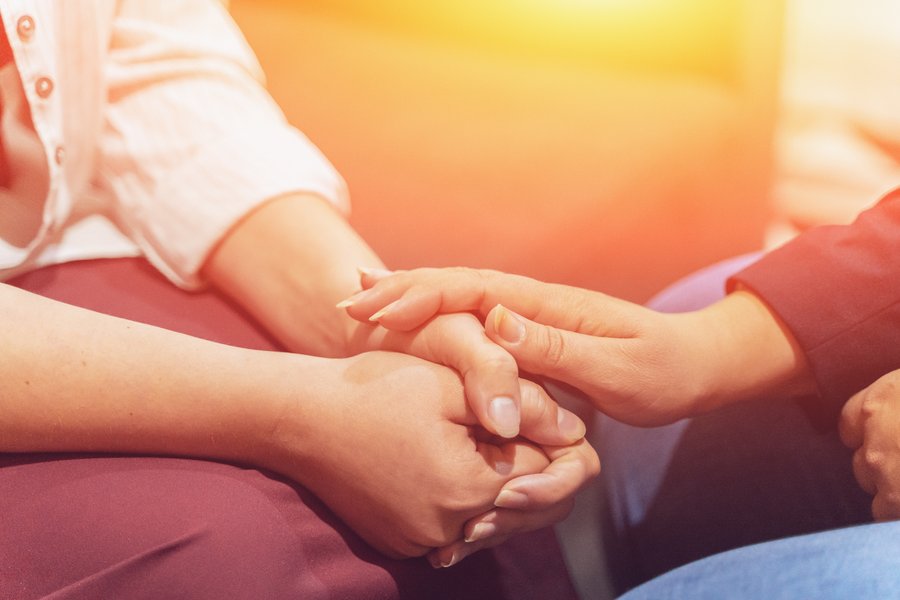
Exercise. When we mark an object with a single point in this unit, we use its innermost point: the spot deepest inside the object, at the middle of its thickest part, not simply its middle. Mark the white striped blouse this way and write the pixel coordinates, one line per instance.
(150, 132)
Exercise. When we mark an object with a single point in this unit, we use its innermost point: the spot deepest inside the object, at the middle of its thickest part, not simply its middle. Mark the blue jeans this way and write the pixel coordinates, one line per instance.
(754, 472)
(857, 562)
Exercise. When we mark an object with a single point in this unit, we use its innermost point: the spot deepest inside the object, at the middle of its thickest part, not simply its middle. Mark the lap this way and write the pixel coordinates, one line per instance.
(90, 526)
(857, 562)
(753, 472)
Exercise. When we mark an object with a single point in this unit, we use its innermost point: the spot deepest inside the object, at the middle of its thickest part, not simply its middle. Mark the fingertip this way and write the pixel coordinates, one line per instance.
(352, 300)
(369, 276)
(504, 414)
(447, 556)
(505, 324)
(481, 531)
(516, 499)
(570, 425)
(381, 313)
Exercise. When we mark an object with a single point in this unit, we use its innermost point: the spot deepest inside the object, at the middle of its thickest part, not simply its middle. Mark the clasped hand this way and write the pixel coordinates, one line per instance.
(405, 464)
(635, 364)
(596, 343)
(495, 396)
(870, 425)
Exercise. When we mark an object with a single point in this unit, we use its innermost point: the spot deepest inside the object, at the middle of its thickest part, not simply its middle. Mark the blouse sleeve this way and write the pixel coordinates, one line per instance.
(192, 142)
(837, 288)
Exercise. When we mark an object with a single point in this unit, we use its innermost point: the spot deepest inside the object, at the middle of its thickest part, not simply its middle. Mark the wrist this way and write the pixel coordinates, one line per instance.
(751, 353)
(282, 435)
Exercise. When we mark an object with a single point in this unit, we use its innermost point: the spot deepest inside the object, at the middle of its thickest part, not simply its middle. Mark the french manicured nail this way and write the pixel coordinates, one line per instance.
(508, 325)
(505, 415)
(511, 499)
(351, 300)
(455, 558)
(570, 425)
(374, 318)
(373, 272)
(482, 531)
(434, 562)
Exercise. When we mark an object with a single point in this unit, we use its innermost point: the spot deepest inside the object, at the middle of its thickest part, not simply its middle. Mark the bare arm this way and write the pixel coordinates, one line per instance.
(638, 365)
(289, 263)
(292, 260)
(406, 479)
(72, 379)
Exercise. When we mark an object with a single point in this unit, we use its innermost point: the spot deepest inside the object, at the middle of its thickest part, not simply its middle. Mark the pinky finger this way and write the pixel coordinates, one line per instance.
(495, 527)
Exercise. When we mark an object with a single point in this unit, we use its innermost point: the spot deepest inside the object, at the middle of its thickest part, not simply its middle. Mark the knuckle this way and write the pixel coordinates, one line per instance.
(493, 359)
(490, 366)
(554, 347)
(872, 458)
(871, 404)
(861, 471)
(534, 406)
(465, 273)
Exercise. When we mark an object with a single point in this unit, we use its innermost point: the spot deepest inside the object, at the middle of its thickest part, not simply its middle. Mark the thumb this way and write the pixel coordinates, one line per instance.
(544, 350)
(544, 421)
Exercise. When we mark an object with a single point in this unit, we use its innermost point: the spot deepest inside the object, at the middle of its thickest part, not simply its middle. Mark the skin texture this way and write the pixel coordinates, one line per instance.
(387, 440)
(636, 365)
(870, 425)
(290, 262)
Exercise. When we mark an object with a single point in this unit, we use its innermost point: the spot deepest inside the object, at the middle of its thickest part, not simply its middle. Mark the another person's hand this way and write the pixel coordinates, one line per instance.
(489, 372)
(389, 443)
(528, 502)
(637, 365)
(870, 425)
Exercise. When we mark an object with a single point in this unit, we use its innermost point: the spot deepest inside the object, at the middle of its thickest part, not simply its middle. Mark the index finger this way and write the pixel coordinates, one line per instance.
(501, 401)
(403, 298)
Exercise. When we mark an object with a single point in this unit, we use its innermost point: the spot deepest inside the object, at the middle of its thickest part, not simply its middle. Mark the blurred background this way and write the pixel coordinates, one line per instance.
(610, 144)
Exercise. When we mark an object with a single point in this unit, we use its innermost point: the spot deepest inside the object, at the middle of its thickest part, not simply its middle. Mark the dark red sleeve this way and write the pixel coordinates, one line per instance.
(837, 288)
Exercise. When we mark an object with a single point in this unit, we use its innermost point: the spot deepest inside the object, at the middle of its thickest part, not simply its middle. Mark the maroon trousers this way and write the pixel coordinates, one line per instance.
(101, 526)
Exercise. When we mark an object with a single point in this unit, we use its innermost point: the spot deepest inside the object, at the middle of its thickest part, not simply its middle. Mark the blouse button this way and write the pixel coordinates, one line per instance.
(59, 155)
(25, 28)
(43, 86)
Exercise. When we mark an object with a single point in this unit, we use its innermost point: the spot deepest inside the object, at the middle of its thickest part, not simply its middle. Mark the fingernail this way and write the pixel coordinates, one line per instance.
(570, 425)
(508, 325)
(374, 272)
(434, 562)
(374, 318)
(511, 499)
(455, 558)
(351, 300)
(481, 531)
(502, 467)
(380, 313)
(505, 415)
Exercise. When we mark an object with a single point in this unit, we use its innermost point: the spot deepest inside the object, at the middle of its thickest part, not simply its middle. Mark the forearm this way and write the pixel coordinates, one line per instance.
(74, 380)
(289, 263)
(745, 352)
